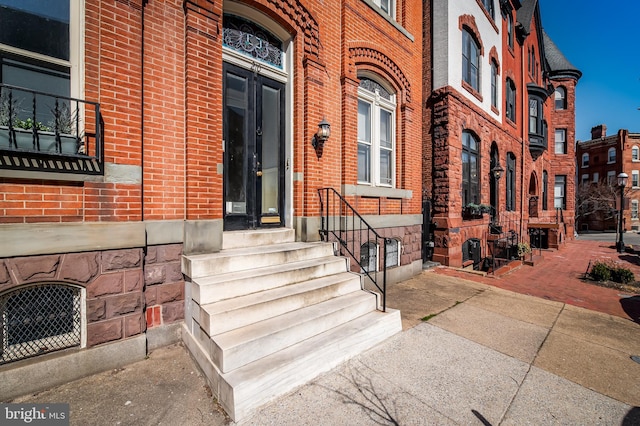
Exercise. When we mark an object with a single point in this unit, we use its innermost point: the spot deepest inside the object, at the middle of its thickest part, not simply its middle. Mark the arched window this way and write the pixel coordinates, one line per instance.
(249, 39)
(470, 60)
(470, 172)
(585, 159)
(376, 134)
(494, 84)
(611, 155)
(560, 96)
(38, 319)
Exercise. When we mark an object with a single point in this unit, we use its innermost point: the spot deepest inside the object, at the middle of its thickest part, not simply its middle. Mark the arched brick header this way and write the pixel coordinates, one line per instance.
(292, 12)
(369, 58)
(469, 22)
(493, 56)
(300, 18)
(510, 74)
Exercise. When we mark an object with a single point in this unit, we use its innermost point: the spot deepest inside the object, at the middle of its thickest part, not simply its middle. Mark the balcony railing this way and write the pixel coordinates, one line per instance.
(44, 132)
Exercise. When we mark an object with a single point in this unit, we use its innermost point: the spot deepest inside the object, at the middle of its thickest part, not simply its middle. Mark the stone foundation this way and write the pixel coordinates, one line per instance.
(126, 290)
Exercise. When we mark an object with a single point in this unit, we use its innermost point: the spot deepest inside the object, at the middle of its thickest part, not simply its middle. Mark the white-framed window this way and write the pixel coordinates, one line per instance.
(559, 192)
(560, 98)
(611, 156)
(393, 252)
(635, 153)
(585, 178)
(585, 159)
(369, 256)
(376, 134)
(494, 84)
(42, 46)
(634, 209)
(387, 6)
(635, 178)
(596, 177)
(611, 177)
(561, 141)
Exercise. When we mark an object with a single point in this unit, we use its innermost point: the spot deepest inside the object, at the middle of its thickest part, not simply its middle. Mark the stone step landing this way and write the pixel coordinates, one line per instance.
(263, 319)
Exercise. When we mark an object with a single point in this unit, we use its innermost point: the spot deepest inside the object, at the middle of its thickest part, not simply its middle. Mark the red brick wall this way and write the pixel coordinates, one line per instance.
(164, 98)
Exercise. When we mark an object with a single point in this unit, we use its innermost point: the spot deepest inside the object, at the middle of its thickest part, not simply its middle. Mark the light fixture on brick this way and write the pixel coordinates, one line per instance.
(321, 136)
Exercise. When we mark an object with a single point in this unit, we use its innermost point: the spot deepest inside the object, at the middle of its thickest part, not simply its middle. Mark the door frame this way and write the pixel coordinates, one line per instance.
(253, 217)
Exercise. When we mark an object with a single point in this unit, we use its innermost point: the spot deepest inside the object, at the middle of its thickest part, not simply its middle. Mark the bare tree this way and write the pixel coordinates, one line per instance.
(596, 198)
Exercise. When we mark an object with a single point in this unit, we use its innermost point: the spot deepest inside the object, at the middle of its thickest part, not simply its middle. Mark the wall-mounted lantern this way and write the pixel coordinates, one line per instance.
(497, 171)
(321, 136)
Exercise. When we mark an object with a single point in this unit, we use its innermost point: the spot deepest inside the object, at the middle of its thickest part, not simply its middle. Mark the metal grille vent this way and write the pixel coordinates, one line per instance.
(39, 319)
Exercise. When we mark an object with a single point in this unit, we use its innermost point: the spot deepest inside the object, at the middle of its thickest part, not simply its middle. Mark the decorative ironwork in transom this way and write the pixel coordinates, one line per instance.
(249, 39)
(373, 87)
(39, 319)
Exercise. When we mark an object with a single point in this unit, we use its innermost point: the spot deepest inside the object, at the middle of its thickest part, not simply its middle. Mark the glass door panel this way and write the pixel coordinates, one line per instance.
(236, 108)
(270, 155)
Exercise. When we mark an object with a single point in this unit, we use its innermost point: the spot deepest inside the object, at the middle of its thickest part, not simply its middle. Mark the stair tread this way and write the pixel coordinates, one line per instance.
(265, 270)
(259, 250)
(266, 296)
(320, 345)
(291, 319)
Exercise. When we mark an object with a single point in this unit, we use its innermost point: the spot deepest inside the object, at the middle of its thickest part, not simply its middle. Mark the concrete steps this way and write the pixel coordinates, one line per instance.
(263, 319)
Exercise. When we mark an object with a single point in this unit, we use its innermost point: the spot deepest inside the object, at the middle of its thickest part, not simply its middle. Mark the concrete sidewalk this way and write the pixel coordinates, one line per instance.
(484, 355)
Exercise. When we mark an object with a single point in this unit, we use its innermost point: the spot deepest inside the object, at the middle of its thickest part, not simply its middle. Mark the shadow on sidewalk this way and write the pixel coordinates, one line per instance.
(631, 306)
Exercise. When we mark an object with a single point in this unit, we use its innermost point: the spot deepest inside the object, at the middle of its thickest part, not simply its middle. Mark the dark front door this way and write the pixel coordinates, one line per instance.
(253, 130)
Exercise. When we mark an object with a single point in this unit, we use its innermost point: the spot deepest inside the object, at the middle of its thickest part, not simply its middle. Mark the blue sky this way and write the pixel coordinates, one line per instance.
(604, 43)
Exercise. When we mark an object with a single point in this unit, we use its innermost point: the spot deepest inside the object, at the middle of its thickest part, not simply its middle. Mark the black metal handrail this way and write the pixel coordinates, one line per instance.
(341, 223)
(37, 125)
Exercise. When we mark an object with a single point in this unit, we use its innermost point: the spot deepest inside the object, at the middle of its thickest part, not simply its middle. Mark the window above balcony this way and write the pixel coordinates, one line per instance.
(45, 126)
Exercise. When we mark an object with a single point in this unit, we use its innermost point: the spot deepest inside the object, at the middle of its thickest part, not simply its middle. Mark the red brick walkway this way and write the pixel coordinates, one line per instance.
(558, 277)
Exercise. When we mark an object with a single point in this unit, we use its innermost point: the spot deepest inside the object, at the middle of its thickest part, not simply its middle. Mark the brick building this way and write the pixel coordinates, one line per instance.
(498, 152)
(138, 137)
(599, 161)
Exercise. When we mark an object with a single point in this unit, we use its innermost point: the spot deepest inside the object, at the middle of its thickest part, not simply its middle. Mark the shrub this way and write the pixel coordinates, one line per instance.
(603, 271)
(600, 271)
(622, 275)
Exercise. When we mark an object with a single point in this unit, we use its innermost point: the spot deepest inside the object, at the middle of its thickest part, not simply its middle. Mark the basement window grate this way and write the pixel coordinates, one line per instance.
(39, 319)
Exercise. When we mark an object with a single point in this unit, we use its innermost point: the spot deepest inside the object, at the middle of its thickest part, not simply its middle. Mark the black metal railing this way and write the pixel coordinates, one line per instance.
(503, 245)
(47, 132)
(343, 225)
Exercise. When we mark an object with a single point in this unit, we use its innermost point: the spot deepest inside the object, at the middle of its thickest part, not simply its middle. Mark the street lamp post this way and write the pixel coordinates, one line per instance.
(622, 182)
(497, 173)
